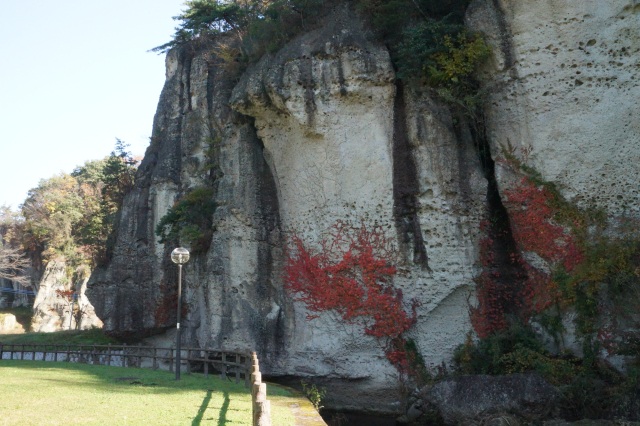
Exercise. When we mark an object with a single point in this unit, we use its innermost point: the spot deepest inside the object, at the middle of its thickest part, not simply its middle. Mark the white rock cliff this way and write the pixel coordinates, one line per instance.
(320, 132)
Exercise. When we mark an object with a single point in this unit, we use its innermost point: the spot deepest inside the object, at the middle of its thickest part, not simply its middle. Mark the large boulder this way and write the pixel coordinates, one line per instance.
(321, 131)
(465, 399)
(9, 324)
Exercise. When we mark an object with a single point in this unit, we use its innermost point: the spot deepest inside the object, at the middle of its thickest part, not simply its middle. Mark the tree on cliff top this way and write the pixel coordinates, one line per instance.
(427, 39)
(260, 26)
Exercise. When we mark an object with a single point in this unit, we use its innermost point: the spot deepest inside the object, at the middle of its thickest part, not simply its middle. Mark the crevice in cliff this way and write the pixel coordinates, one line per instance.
(405, 186)
(186, 84)
(184, 104)
(274, 336)
(505, 35)
(307, 82)
(505, 267)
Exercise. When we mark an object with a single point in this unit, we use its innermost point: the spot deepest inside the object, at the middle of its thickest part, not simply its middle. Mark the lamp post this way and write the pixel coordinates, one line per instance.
(179, 256)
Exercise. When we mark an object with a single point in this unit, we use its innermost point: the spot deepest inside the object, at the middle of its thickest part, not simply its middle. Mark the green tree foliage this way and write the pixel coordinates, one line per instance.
(118, 177)
(189, 220)
(72, 215)
(51, 211)
(430, 45)
(427, 38)
(259, 26)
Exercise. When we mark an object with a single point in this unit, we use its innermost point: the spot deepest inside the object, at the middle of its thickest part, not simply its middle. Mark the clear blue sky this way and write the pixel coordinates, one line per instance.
(75, 75)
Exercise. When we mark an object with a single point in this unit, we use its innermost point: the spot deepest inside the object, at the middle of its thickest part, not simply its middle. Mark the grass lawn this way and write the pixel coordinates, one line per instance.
(48, 393)
(67, 337)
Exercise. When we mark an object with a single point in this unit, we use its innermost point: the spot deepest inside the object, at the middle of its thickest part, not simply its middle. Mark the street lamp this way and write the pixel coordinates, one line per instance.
(179, 256)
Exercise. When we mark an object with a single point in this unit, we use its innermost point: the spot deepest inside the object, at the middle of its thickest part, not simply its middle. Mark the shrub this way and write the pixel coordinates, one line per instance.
(190, 220)
(314, 394)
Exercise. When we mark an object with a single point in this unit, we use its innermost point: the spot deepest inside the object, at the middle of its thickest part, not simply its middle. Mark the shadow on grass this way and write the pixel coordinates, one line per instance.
(205, 403)
(222, 420)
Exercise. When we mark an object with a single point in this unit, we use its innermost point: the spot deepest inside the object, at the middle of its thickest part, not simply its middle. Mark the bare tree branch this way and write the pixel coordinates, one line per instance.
(13, 265)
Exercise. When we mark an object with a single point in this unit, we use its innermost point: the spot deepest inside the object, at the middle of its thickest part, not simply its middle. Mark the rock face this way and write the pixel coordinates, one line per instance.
(52, 311)
(564, 93)
(9, 324)
(468, 398)
(14, 294)
(320, 132)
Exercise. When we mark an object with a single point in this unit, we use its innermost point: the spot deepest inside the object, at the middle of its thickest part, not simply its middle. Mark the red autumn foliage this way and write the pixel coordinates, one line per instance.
(489, 315)
(68, 295)
(533, 227)
(530, 290)
(351, 274)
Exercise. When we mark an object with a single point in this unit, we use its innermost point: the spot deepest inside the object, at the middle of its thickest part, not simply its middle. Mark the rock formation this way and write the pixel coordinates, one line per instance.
(9, 324)
(319, 132)
(563, 94)
(61, 305)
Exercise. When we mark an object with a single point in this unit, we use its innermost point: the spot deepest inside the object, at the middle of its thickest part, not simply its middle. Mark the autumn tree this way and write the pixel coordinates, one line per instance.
(73, 215)
(13, 263)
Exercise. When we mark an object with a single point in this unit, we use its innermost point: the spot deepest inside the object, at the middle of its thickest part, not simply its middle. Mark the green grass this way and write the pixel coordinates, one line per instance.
(46, 393)
(69, 337)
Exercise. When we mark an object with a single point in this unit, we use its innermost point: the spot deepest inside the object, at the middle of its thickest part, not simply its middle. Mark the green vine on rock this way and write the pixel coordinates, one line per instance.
(190, 220)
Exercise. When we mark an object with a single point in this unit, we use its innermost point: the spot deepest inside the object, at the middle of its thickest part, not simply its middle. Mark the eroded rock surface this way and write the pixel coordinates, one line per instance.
(320, 132)
(54, 311)
(470, 398)
(563, 95)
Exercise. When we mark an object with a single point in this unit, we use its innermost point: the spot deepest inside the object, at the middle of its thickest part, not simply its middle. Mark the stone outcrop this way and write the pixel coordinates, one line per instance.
(469, 399)
(53, 311)
(320, 132)
(9, 324)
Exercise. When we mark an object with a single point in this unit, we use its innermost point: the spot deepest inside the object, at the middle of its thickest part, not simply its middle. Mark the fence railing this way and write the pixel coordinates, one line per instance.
(214, 361)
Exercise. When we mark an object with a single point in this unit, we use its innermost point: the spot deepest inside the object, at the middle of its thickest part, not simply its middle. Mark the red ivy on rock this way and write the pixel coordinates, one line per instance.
(66, 294)
(534, 229)
(529, 291)
(351, 274)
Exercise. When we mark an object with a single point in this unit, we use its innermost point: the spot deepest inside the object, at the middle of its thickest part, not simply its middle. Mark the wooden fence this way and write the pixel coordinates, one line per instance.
(227, 364)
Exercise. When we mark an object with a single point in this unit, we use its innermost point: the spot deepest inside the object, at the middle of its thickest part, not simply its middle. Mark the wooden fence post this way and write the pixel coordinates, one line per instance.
(261, 407)
(206, 364)
(154, 363)
(263, 413)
